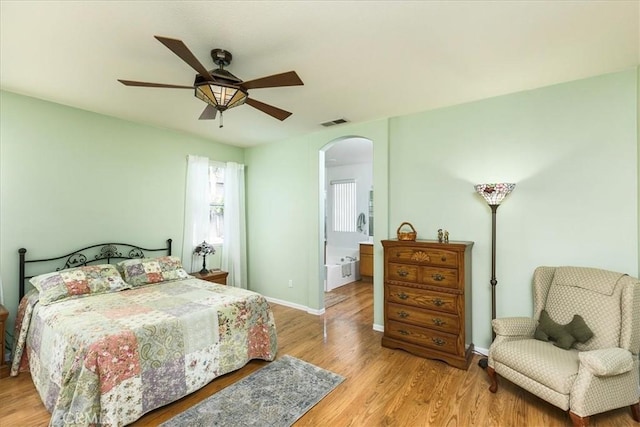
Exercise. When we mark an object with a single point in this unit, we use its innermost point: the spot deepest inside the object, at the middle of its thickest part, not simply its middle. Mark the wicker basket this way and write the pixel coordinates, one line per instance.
(407, 235)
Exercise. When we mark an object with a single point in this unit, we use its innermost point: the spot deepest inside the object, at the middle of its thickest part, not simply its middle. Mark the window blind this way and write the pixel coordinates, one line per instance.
(344, 205)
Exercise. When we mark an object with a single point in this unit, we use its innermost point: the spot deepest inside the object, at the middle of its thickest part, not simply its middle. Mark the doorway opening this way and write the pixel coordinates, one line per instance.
(347, 197)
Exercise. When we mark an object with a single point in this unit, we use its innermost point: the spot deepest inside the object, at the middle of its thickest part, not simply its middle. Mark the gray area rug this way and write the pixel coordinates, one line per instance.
(275, 395)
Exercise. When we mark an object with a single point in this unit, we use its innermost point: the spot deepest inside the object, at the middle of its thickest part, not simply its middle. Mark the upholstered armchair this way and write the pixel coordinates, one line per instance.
(597, 375)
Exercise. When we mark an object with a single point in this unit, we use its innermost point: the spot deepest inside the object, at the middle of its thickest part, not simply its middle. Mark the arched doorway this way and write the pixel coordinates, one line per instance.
(346, 180)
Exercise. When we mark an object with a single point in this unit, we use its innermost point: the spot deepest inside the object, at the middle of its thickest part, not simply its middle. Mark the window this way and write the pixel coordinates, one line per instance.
(216, 204)
(344, 205)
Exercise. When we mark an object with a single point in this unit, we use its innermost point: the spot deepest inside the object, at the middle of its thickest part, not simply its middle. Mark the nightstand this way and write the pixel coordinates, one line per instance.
(4, 368)
(215, 276)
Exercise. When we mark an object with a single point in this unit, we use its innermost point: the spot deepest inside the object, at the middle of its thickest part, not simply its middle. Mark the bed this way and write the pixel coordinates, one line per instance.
(118, 330)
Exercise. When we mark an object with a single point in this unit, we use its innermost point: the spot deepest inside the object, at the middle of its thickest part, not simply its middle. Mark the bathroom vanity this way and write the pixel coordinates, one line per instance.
(366, 261)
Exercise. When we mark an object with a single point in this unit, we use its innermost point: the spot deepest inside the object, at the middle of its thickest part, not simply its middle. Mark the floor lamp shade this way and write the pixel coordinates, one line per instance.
(493, 194)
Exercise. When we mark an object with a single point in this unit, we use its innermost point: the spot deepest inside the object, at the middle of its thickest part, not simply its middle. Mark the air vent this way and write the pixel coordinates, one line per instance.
(334, 122)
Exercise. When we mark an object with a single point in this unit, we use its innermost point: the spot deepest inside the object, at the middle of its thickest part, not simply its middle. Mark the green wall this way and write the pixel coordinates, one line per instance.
(284, 211)
(571, 149)
(70, 178)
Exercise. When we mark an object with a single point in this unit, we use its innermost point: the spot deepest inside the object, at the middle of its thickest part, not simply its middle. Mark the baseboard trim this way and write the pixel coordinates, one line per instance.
(313, 311)
(294, 305)
(482, 351)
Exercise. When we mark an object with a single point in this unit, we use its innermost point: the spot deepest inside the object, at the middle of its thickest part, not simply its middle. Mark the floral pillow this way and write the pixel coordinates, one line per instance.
(139, 272)
(79, 281)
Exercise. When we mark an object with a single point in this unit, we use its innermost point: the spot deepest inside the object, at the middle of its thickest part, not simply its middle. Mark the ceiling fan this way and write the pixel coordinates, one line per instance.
(219, 88)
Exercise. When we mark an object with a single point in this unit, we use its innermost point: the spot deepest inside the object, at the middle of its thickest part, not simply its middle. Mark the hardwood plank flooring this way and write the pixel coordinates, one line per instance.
(383, 387)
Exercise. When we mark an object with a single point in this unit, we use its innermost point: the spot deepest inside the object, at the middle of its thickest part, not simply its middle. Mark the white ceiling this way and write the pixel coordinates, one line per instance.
(359, 60)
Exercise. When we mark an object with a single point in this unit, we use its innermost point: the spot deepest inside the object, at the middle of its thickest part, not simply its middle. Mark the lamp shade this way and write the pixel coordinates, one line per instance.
(221, 96)
(494, 194)
(204, 249)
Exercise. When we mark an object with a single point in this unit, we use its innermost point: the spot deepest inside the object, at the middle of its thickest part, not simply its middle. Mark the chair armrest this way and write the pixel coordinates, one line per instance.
(514, 326)
(606, 362)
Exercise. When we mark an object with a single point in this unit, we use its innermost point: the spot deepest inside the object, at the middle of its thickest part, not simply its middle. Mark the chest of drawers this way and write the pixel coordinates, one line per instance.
(427, 299)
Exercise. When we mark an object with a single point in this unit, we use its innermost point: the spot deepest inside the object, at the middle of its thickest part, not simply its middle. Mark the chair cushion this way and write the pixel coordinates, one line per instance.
(541, 361)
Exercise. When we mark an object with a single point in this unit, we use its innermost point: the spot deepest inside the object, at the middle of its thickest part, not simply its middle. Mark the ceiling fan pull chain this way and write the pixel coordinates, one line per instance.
(220, 119)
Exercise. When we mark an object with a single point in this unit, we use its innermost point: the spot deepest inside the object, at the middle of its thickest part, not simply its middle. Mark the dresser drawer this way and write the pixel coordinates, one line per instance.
(402, 272)
(422, 336)
(443, 277)
(424, 256)
(421, 317)
(422, 298)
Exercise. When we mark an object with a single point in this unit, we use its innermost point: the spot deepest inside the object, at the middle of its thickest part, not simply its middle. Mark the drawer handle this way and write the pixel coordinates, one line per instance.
(443, 259)
(402, 273)
(437, 277)
(438, 322)
(403, 332)
(437, 302)
(402, 295)
(403, 314)
(438, 341)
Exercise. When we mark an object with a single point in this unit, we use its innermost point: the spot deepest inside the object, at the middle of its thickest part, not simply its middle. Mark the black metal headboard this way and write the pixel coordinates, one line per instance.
(86, 256)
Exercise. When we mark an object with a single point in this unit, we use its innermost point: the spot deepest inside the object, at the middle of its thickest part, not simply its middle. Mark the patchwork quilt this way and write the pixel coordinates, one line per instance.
(108, 359)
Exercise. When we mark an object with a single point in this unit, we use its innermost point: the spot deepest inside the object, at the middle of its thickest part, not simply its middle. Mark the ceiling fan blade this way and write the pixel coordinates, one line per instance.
(269, 109)
(209, 113)
(277, 80)
(180, 49)
(147, 84)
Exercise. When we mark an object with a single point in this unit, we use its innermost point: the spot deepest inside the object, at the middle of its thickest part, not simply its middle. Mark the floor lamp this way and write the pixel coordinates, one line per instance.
(494, 194)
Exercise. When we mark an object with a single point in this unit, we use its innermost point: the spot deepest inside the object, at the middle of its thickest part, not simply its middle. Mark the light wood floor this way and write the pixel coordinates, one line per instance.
(382, 388)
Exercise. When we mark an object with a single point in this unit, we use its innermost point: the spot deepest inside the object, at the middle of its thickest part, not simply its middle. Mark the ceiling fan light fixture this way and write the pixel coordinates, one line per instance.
(220, 96)
(220, 89)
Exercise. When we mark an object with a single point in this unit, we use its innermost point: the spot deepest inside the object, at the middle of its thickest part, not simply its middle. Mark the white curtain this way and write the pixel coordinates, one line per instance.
(234, 254)
(196, 211)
